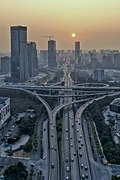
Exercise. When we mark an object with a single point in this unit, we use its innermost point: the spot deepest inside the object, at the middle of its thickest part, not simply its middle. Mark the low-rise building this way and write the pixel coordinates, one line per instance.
(4, 110)
(115, 109)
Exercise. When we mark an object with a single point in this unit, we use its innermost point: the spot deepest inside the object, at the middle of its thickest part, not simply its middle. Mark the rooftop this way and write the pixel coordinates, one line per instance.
(116, 102)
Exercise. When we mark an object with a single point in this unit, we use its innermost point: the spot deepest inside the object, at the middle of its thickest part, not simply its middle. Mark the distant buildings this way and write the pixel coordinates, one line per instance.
(5, 65)
(52, 54)
(4, 110)
(43, 58)
(19, 59)
(117, 60)
(98, 74)
(108, 61)
(77, 51)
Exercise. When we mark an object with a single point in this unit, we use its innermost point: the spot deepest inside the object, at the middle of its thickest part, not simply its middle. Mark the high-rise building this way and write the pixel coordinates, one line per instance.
(77, 50)
(19, 58)
(43, 58)
(5, 65)
(117, 60)
(52, 54)
(108, 61)
(98, 74)
(32, 59)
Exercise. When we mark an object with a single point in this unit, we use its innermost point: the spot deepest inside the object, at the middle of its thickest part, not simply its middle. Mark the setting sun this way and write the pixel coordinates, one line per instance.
(73, 35)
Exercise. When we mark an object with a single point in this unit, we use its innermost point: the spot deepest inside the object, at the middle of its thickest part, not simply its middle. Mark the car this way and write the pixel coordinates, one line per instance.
(86, 175)
(71, 137)
(80, 136)
(1, 177)
(43, 177)
(52, 147)
(79, 140)
(3, 139)
(66, 159)
(82, 165)
(44, 129)
(86, 167)
(67, 169)
(72, 125)
(52, 135)
(32, 164)
(80, 154)
(55, 149)
(71, 145)
(44, 157)
(52, 165)
(83, 176)
(74, 153)
(79, 147)
(72, 160)
(77, 130)
(67, 138)
(81, 143)
(67, 177)
(66, 130)
(79, 123)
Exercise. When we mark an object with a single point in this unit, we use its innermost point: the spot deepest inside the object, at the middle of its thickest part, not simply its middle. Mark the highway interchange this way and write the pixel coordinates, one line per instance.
(77, 162)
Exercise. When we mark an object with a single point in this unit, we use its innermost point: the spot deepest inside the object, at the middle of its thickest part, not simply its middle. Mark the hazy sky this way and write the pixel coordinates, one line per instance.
(95, 22)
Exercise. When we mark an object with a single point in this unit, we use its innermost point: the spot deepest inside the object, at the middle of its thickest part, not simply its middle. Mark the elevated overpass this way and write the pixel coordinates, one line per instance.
(62, 88)
(22, 93)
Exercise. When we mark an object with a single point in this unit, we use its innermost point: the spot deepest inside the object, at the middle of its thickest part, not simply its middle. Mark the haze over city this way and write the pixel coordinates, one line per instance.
(94, 22)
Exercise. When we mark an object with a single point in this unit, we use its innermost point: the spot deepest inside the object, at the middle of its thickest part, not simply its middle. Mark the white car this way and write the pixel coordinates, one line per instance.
(67, 169)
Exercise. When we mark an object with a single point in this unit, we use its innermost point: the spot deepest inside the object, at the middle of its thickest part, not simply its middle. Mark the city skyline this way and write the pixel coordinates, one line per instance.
(95, 23)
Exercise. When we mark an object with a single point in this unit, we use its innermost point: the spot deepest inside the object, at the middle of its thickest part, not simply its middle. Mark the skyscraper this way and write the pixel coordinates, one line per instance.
(77, 50)
(52, 54)
(32, 59)
(19, 59)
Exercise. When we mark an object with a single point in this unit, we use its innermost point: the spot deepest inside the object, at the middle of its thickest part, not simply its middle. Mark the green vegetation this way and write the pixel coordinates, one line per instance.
(59, 138)
(27, 125)
(81, 77)
(115, 178)
(9, 152)
(28, 146)
(35, 138)
(16, 172)
(110, 149)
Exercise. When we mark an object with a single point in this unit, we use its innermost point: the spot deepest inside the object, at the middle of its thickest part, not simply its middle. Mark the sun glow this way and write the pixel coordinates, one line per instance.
(73, 35)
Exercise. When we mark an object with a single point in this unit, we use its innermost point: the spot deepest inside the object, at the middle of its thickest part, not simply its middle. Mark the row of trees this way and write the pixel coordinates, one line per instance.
(111, 150)
(115, 178)
(16, 172)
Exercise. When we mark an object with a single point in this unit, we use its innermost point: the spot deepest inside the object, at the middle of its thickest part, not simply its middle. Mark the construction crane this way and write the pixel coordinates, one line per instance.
(49, 37)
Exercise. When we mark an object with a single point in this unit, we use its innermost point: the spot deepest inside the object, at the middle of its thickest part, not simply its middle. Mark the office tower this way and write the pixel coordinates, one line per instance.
(32, 59)
(43, 58)
(117, 60)
(52, 54)
(77, 51)
(98, 74)
(108, 61)
(19, 59)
